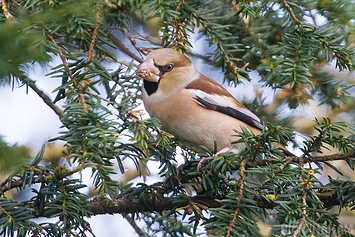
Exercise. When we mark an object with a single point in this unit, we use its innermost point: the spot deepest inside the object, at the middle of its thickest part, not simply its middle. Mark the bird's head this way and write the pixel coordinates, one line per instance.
(166, 70)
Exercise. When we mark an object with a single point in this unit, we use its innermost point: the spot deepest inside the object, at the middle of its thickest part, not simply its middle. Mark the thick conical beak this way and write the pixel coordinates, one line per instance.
(148, 71)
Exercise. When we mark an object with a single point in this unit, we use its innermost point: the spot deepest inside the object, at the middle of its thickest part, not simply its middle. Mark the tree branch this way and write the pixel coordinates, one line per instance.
(126, 205)
(155, 203)
(4, 187)
(123, 48)
(7, 14)
(94, 36)
(305, 159)
(43, 95)
(65, 62)
(206, 58)
(134, 225)
(240, 197)
(303, 207)
(327, 157)
(290, 11)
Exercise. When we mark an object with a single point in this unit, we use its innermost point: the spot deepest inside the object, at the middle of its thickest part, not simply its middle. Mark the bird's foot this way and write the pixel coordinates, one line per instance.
(222, 151)
(199, 165)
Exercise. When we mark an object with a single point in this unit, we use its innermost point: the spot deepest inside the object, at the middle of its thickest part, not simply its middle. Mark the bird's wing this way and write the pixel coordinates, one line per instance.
(211, 95)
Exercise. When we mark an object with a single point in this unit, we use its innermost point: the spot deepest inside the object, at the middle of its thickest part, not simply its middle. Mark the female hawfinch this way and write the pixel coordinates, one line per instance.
(190, 105)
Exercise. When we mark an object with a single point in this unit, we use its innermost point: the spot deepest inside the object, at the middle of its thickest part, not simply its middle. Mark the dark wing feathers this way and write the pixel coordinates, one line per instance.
(233, 112)
(214, 89)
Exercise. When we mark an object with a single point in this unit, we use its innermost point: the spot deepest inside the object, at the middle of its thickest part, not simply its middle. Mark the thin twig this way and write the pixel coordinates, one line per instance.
(43, 96)
(304, 214)
(45, 174)
(19, 183)
(303, 220)
(7, 14)
(82, 84)
(309, 229)
(90, 53)
(141, 50)
(9, 216)
(90, 231)
(92, 45)
(305, 159)
(134, 225)
(176, 32)
(4, 188)
(290, 11)
(327, 157)
(206, 58)
(102, 98)
(62, 56)
(304, 203)
(83, 101)
(94, 36)
(153, 40)
(64, 60)
(123, 48)
(240, 196)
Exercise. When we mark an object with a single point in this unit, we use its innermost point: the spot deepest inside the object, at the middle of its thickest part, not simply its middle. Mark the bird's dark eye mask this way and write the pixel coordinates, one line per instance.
(164, 68)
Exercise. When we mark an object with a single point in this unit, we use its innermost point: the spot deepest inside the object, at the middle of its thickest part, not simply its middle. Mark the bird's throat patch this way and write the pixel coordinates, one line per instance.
(150, 86)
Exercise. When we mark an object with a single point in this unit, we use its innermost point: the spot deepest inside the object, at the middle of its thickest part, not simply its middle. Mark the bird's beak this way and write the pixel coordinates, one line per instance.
(148, 71)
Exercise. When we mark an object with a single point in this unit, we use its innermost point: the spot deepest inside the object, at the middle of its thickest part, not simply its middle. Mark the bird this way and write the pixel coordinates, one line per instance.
(190, 105)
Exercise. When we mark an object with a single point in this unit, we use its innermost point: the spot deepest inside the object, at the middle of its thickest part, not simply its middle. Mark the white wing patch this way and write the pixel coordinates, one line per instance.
(214, 99)
(224, 101)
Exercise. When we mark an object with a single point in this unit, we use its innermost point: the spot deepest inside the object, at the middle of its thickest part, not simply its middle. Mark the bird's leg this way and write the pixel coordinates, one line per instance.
(199, 165)
(177, 173)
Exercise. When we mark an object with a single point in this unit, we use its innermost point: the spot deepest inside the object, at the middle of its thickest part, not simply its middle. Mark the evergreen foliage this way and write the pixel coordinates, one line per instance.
(222, 194)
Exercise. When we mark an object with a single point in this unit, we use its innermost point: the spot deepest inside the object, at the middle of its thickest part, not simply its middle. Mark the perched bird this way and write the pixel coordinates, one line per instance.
(190, 105)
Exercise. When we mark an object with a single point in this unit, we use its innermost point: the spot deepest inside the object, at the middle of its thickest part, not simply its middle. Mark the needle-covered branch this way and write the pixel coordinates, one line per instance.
(295, 159)
(42, 95)
(125, 204)
(225, 193)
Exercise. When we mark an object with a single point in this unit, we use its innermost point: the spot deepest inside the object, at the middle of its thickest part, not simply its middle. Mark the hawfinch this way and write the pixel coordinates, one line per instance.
(190, 105)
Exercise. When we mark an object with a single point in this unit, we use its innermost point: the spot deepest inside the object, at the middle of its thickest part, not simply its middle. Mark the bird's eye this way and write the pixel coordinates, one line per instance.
(168, 67)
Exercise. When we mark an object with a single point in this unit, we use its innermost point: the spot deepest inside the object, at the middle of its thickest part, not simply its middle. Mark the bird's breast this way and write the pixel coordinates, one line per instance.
(181, 116)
